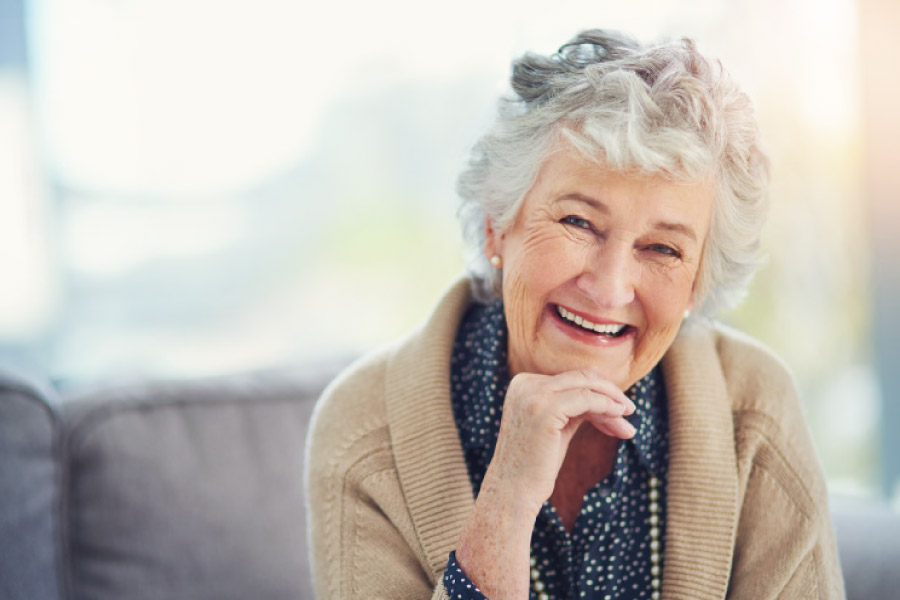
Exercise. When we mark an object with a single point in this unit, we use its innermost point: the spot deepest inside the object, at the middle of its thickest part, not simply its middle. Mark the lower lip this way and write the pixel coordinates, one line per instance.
(577, 333)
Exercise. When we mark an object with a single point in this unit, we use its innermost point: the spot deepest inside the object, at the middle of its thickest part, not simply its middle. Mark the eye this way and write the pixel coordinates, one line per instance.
(577, 222)
(664, 250)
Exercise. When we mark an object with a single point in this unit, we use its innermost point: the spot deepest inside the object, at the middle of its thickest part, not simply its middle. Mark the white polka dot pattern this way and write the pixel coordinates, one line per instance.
(608, 553)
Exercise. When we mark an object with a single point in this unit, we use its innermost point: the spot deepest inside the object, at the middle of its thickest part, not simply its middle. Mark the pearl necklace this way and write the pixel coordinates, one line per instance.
(655, 570)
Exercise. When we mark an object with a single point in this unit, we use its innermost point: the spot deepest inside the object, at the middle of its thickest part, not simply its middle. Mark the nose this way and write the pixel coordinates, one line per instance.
(609, 276)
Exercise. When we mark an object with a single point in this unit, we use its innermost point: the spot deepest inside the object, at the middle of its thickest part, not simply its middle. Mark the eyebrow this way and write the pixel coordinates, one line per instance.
(593, 202)
(681, 228)
(676, 228)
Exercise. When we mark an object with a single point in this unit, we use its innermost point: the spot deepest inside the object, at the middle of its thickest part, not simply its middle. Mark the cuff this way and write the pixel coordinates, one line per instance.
(458, 584)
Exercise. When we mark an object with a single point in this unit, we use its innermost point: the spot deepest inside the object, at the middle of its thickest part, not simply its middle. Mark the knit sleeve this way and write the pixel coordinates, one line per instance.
(362, 540)
(785, 545)
(782, 551)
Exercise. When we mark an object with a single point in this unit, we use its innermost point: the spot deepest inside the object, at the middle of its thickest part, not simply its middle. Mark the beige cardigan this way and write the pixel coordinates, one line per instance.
(747, 512)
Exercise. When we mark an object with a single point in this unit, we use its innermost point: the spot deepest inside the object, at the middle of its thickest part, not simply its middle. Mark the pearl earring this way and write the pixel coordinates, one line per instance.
(496, 261)
(687, 313)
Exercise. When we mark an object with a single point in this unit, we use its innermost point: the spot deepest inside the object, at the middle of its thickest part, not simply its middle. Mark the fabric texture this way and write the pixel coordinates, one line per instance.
(189, 489)
(29, 490)
(747, 507)
(607, 553)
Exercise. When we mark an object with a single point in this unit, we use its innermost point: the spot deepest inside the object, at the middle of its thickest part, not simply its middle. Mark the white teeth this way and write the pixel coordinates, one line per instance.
(579, 320)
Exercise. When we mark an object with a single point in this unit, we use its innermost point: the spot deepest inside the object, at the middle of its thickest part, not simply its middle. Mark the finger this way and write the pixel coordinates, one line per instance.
(584, 402)
(593, 381)
(615, 427)
(573, 380)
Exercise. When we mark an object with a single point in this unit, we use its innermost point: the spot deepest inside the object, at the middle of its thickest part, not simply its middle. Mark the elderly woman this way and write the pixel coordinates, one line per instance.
(570, 422)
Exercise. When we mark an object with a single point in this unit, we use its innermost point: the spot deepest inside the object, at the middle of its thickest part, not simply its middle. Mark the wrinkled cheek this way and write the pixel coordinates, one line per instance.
(515, 298)
(654, 346)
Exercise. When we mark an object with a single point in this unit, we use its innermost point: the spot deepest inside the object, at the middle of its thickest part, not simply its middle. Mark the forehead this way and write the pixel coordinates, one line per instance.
(568, 177)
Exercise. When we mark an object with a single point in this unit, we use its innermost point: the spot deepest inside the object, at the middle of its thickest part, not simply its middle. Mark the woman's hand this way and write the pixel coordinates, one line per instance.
(540, 415)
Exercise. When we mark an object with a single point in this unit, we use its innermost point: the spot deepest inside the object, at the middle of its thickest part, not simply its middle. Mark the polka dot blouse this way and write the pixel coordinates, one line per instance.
(607, 554)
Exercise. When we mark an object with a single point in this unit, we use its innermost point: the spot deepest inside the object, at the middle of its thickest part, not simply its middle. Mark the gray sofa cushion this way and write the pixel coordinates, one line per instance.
(189, 490)
(28, 491)
(868, 536)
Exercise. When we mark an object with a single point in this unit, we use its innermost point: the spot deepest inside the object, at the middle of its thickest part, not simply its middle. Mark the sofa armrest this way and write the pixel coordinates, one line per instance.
(28, 490)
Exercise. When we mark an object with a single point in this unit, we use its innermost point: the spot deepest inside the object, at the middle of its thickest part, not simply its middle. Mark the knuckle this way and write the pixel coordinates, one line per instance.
(520, 382)
(533, 406)
(601, 402)
(587, 396)
(520, 396)
(514, 389)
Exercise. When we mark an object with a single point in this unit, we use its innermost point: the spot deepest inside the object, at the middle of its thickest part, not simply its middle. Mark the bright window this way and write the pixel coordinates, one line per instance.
(199, 186)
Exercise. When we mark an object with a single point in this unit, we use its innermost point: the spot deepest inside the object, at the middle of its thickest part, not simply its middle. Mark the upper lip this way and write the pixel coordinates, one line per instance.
(593, 319)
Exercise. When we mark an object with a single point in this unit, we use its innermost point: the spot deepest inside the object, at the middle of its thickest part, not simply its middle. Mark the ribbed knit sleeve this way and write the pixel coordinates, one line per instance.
(387, 496)
(363, 543)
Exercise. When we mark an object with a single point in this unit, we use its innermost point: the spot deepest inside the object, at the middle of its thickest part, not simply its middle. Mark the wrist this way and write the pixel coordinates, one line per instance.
(522, 500)
(494, 546)
(518, 505)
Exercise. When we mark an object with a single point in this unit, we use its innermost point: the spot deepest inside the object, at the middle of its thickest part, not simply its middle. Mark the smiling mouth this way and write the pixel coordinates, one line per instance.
(609, 330)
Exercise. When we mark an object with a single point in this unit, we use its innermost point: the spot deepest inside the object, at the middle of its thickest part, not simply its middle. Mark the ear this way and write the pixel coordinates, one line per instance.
(493, 240)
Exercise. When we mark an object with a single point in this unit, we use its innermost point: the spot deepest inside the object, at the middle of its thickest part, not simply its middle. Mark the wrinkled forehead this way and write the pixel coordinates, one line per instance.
(634, 198)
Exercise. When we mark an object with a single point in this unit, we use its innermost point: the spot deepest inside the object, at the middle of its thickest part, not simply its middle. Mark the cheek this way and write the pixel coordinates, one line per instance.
(664, 303)
(515, 298)
(536, 263)
(548, 255)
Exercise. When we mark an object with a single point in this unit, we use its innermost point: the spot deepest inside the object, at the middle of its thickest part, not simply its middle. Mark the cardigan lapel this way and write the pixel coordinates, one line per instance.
(702, 491)
(702, 482)
(429, 457)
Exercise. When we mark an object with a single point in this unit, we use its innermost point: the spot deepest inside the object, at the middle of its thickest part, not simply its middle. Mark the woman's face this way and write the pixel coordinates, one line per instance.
(616, 252)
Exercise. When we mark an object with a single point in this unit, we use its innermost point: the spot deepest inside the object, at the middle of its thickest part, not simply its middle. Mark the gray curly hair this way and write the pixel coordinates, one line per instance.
(659, 109)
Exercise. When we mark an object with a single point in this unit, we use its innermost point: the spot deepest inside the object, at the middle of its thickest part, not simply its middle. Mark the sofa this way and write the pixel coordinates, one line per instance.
(193, 490)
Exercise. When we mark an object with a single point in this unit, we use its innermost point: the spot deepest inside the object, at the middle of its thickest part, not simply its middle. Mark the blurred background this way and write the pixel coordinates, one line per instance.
(197, 187)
